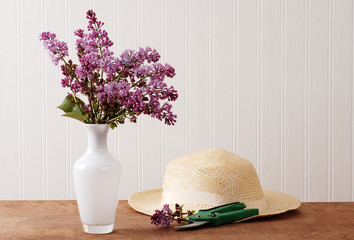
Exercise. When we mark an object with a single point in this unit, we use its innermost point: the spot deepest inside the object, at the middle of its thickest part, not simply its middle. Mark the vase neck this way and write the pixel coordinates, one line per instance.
(96, 137)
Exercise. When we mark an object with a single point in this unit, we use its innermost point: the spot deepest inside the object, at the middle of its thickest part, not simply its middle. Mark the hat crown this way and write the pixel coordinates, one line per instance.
(214, 171)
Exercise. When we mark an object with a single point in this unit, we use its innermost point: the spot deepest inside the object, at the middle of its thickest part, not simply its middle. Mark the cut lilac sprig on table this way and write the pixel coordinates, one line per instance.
(165, 216)
(116, 88)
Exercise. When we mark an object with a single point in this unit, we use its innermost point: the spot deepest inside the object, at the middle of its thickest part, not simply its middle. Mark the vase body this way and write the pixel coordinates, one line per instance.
(97, 177)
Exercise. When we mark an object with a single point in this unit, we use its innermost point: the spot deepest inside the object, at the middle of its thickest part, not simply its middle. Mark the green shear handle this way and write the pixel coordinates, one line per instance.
(224, 214)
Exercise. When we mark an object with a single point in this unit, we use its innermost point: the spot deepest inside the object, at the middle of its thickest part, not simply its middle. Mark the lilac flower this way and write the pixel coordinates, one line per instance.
(57, 49)
(76, 87)
(65, 82)
(116, 88)
(165, 216)
(162, 217)
(117, 91)
(135, 102)
(88, 63)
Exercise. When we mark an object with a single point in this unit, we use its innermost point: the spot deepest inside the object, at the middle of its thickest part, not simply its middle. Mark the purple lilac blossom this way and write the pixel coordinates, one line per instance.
(119, 87)
(56, 49)
(162, 217)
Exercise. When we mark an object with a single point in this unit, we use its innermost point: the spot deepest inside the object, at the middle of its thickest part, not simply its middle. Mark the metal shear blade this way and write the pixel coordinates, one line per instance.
(191, 224)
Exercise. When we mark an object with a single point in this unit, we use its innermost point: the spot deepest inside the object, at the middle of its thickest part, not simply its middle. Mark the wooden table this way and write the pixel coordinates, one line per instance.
(60, 220)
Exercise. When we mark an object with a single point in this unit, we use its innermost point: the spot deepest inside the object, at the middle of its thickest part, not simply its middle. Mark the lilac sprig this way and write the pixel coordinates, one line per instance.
(162, 217)
(116, 88)
(165, 216)
(57, 49)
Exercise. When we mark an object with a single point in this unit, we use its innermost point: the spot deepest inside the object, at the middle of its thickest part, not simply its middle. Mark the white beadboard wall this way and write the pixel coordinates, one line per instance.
(270, 80)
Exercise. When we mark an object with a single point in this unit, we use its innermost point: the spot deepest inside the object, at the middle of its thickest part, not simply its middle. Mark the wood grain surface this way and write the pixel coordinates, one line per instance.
(60, 220)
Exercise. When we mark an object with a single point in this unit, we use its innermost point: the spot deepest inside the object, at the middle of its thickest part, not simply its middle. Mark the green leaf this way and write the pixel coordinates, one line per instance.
(75, 115)
(68, 105)
(113, 125)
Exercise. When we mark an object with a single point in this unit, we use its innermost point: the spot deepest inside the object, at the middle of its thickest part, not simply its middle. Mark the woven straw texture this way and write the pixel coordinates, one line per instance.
(213, 171)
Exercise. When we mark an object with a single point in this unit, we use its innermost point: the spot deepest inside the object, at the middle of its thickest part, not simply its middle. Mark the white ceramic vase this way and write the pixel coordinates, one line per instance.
(97, 177)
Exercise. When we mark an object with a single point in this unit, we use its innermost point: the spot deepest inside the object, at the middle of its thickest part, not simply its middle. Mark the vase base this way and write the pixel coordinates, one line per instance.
(98, 229)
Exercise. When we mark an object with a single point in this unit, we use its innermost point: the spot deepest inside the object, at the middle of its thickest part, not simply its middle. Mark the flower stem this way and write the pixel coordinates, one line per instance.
(100, 48)
(99, 115)
(113, 119)
(120, 74)
(91, 104)
(74, 74)
(135, 84)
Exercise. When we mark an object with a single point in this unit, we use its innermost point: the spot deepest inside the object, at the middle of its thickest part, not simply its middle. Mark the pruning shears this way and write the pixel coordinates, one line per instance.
(219, 215)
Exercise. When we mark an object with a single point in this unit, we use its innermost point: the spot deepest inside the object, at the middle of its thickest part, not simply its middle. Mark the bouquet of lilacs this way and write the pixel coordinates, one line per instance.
(116, 88)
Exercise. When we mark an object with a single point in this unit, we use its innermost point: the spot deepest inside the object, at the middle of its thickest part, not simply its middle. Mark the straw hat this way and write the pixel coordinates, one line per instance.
(210, 178)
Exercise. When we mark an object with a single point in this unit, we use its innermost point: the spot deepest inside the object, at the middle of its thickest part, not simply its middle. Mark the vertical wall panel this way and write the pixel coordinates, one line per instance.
(128, 133)
(342, 96)
(32, 99)
(199, 69)
(187, 74)
(56, 125)
(271, 83)
(352, 145)
(175, 55)
(222, 74)
(211, 70)
(246, 55)
(318, 100)
(10, 151)
(294, 90)
(152, 128)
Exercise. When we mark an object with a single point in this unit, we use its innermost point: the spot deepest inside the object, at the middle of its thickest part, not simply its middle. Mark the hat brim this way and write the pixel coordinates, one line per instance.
(148, 201)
